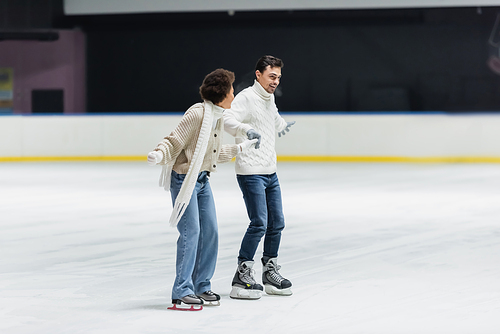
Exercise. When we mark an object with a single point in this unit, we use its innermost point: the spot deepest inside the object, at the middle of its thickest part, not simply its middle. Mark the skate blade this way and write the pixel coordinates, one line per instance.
(272, 290)
(240, 293)
(176, 307)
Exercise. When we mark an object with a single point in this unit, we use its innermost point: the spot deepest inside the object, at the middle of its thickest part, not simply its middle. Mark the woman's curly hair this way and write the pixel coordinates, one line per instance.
(217, 85)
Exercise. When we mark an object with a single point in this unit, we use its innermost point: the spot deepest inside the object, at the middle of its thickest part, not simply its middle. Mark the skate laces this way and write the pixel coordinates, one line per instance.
(247, 275)
(273, 272)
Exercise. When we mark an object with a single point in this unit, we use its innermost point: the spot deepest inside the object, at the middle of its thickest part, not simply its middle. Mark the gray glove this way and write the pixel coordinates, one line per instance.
(288, 125)
(252, 134)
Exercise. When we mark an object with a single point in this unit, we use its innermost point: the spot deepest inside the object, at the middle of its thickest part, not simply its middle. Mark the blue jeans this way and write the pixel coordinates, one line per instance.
(197, 245)
(262, 196)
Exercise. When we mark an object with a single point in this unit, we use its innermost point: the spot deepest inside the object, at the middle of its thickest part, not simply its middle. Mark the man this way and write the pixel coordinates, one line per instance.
(254, 115)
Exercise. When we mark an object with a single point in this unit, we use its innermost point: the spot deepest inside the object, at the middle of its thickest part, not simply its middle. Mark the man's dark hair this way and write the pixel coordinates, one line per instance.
(268, 61)
(217, 85)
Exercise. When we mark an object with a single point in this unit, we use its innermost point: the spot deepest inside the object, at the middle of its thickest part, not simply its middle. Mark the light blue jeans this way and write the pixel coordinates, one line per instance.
(197, 245)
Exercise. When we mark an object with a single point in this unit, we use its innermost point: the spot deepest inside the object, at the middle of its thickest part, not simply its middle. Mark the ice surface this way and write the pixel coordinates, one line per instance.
(369, 248)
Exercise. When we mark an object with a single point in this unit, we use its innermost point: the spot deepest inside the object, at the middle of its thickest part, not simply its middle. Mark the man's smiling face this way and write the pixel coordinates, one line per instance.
(269, 79)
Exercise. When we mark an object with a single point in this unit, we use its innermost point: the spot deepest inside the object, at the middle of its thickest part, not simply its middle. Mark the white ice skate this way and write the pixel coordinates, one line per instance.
(187, 303)
(244, 285)
(274, 283)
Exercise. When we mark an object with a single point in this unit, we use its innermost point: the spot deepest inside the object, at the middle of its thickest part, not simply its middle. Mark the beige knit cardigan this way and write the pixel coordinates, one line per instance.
(180, 145)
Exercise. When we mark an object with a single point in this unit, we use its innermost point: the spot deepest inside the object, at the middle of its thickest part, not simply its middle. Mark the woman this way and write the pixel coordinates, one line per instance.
(188, 155)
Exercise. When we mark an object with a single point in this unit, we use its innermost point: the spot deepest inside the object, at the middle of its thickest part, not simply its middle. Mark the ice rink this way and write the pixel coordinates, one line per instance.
(369, 248)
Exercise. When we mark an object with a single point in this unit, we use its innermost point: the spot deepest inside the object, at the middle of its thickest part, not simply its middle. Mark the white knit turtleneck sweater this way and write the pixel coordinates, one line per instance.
(254, 108)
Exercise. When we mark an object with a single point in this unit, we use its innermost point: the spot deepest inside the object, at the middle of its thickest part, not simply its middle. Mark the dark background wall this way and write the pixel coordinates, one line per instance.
(23, 15)
(364, 60)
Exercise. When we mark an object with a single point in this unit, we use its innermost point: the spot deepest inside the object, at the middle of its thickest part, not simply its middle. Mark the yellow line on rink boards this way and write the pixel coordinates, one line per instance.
(74, 158)
(281, 158)
(388, 159)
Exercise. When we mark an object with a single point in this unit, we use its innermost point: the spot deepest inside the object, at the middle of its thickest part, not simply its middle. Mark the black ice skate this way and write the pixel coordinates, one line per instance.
(210, 298)
(244, 285)
(274, 283)
(187, 303)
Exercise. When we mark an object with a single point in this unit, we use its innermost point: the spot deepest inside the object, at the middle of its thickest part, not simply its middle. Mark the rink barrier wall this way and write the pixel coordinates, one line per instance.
(316, 137)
